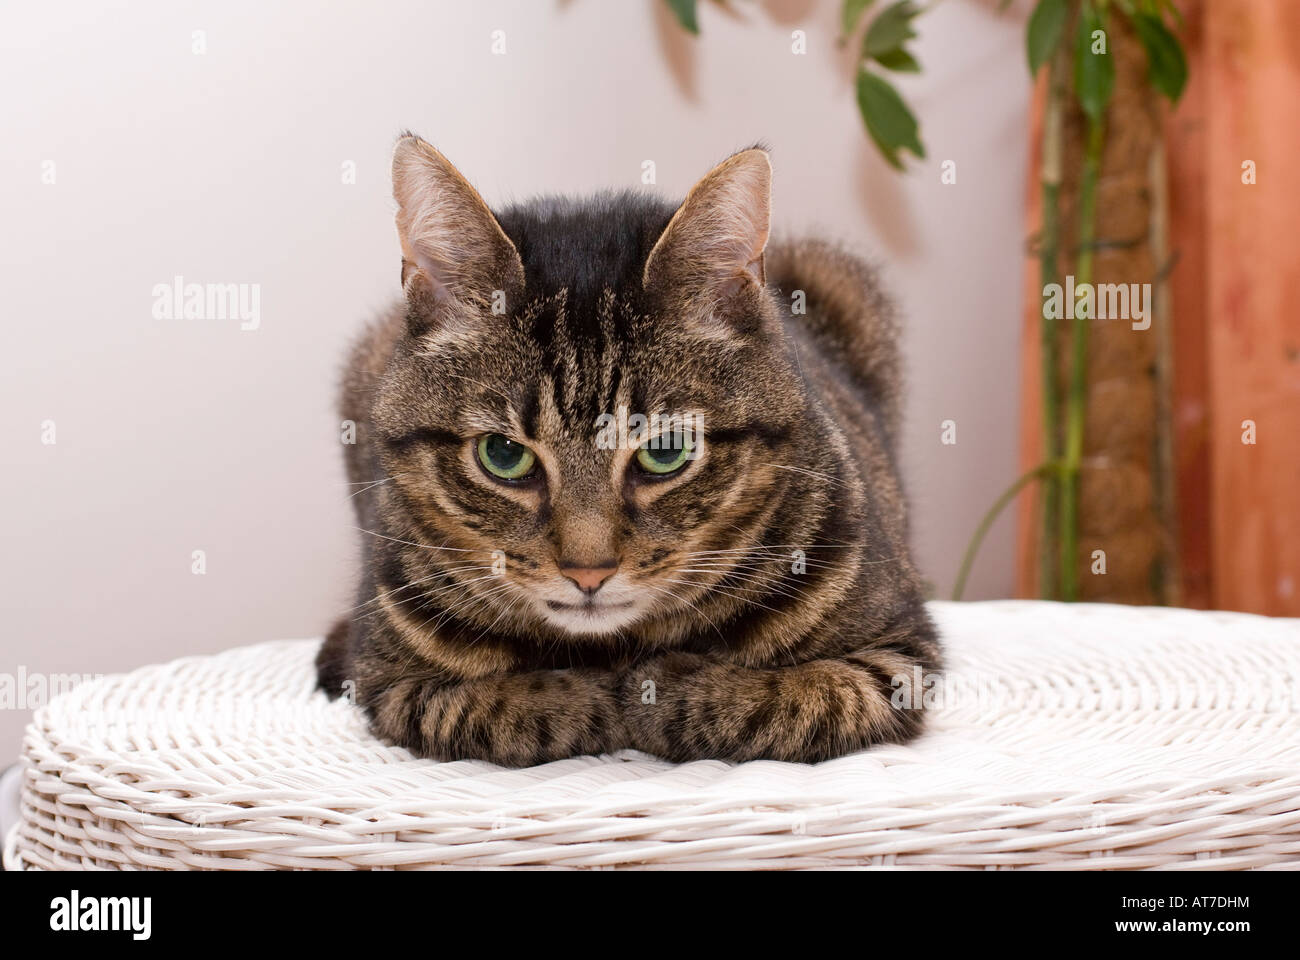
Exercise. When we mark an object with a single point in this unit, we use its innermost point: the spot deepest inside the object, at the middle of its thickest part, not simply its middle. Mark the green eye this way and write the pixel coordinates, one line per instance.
(504, 458)
(663, 455)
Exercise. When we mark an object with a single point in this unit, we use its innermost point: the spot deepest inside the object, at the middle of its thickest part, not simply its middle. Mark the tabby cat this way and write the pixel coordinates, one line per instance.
(627, 478)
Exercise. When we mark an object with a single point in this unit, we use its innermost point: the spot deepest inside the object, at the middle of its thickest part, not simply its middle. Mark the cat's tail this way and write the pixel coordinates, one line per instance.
(848, 315)
(332, 659)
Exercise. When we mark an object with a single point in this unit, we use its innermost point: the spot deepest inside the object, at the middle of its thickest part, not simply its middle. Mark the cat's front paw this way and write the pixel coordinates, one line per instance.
(660, 700)
(686, 707)
(641, 683)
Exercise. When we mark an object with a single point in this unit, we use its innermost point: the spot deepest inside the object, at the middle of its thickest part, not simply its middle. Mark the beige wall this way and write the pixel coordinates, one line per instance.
(176, 435)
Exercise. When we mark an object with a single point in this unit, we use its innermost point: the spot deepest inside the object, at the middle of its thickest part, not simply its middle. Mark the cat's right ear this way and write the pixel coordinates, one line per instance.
(712, 249)
(453, 249)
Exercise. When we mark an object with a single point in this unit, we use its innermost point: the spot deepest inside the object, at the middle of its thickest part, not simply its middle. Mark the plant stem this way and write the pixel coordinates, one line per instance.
(1048, 245)
(1166, 491)
(1079, 366)
(999, 505)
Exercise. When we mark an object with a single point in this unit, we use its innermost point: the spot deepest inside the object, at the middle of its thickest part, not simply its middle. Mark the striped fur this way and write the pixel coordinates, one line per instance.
(771, 601)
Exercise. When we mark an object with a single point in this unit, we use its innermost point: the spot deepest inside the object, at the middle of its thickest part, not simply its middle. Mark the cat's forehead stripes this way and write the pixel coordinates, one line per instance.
(583, 356)
(543, 373)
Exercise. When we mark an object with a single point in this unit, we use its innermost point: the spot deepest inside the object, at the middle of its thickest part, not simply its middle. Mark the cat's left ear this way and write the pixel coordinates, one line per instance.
(715, 241)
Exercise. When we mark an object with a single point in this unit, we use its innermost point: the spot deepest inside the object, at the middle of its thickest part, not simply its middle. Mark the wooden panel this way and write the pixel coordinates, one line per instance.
(1185, 139)
(1253, 261)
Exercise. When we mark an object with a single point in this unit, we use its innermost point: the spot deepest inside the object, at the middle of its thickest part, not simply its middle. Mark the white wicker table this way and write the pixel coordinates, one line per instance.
(1086, 737)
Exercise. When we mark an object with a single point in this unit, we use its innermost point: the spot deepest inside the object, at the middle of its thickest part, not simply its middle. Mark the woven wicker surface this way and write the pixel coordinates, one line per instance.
(1088, 737)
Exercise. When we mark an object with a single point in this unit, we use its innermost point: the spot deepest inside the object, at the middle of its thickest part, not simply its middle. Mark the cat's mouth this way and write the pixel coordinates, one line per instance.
(592, 616)
(587, 606)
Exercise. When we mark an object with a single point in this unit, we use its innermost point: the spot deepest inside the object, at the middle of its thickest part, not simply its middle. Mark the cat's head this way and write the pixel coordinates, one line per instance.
(591, 401)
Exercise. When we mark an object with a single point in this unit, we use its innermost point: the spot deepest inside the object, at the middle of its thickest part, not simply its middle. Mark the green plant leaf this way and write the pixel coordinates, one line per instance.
(890, 30)
(850, 14)
(1046, 24)
(890, 124)
(900, 60)
(1168, 65)
(684, 11)
(1094, 73)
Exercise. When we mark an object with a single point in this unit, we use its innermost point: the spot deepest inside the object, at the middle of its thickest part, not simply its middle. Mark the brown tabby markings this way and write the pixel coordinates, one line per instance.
(726, 652)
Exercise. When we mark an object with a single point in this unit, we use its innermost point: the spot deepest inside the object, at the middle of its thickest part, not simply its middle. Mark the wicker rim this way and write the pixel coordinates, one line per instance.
(1088, 737)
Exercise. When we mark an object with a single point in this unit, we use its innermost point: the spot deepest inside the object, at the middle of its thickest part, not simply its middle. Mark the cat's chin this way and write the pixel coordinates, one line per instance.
(590, 619)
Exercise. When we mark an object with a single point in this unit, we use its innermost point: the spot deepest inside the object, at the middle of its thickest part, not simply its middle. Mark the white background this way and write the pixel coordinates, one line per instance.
(226, 167)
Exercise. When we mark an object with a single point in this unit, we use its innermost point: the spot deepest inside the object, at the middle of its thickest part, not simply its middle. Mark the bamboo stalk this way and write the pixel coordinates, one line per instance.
(1049, 243)
(1165, 495)
(1075, 406)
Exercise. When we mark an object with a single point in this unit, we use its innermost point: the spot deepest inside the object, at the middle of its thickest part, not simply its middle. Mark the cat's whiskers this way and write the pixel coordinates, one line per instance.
(422, 546)
(811, 560)
(771, 560)
(464, 603)
(370, 485)
(435, 622)
(673, 596)
(508, 608)
(766, 586)
(422, 597)
(758, 585)
(460, 564)
(776, 578)
(780, 546)
(820, 539)
(811, 473)
(452, 585)
(722, 590)
(485, 386)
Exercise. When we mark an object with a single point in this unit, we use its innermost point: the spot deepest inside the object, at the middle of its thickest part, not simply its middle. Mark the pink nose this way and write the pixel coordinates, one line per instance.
(589, 579)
